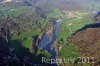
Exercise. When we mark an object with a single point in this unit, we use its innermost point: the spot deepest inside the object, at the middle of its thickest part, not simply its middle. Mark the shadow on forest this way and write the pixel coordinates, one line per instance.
(3, 47)
(22, 54)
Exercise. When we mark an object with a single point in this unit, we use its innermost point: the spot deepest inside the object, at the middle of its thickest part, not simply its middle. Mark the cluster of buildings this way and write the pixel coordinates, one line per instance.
(72, 14)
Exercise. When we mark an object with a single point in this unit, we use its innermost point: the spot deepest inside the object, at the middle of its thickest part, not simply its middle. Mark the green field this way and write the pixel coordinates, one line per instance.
(69, 50)
(22, 43)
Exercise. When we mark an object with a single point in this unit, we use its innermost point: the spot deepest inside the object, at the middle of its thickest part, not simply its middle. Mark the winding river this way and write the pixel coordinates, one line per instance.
(46, 44)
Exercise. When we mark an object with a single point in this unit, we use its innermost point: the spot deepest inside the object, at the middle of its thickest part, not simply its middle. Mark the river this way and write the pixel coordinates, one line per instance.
(46, 43)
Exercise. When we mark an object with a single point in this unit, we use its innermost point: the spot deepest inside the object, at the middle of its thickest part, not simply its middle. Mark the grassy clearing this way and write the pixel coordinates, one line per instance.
(27, 43)
(69, 51)
(79, 23)
(26, 38)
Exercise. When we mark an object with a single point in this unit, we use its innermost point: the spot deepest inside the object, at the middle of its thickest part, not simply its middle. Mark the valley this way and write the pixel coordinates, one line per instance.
(30, 30)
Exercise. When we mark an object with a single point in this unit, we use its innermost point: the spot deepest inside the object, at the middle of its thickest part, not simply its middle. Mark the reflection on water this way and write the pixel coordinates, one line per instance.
(44, 41)
(47, 44)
